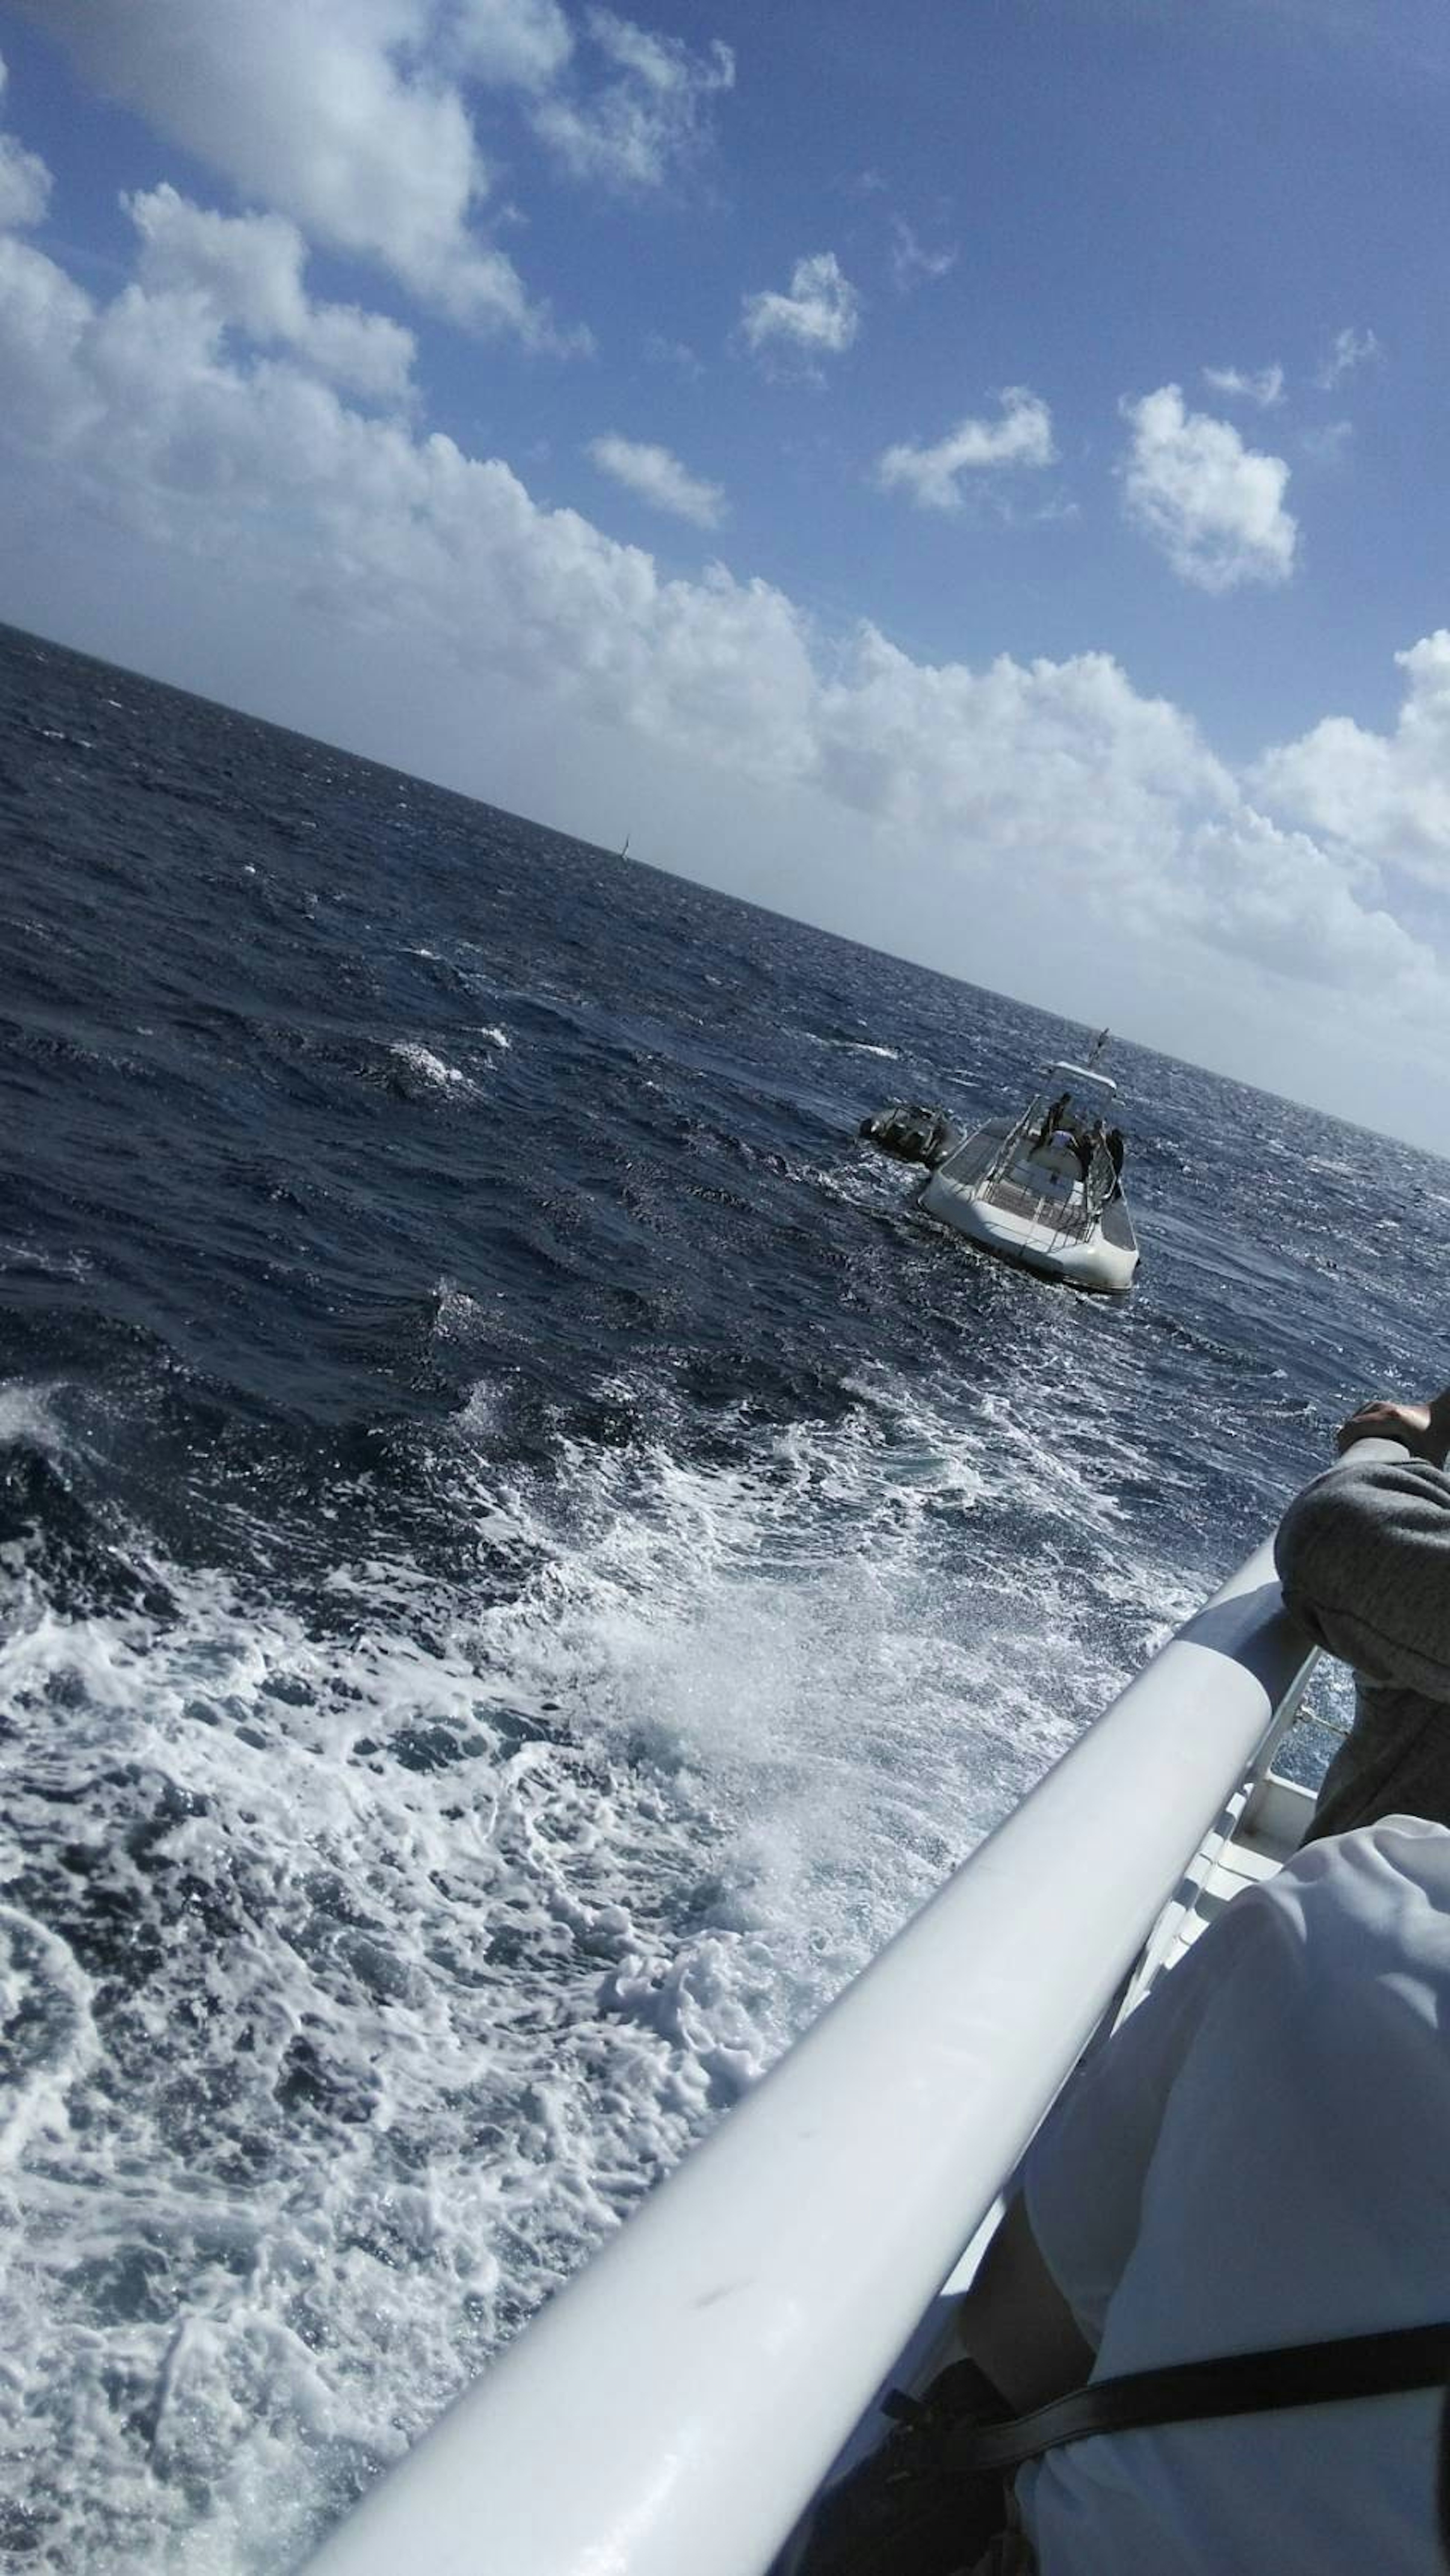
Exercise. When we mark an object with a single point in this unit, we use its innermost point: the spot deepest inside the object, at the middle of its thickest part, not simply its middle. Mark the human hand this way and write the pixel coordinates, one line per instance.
(1423, 1429)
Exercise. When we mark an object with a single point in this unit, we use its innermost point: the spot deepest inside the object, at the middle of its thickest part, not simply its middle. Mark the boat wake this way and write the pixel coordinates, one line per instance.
(579, 1860)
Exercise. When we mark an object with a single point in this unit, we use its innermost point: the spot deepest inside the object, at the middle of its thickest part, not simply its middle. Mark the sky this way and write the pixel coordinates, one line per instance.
(971, 476)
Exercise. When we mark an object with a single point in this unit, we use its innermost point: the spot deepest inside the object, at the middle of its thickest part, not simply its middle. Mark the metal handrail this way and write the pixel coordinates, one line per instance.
(1090, 1212)
(1002, 1160)
(677, 2405)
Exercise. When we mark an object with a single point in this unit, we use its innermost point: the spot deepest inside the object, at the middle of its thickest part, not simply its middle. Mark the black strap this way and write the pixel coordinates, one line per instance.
(1241, 2383)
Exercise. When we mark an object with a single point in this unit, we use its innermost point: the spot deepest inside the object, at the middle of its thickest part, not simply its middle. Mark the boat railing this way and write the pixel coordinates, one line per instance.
(1099, 1182)
(1065, 1218)
(1007, 1152)
(678, 2404)
(1068, 1218)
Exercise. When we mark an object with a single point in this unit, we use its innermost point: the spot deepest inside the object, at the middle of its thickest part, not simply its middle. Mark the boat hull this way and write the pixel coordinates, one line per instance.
(1087, 1261)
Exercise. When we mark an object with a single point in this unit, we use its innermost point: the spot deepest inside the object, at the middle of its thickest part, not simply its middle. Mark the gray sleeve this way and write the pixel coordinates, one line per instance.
(1363, 1555)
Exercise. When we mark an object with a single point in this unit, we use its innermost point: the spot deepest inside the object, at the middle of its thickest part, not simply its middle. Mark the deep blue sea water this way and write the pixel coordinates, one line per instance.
(523, 1559)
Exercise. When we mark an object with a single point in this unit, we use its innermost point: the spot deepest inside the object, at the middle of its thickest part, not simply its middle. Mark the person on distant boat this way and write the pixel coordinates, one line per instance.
(1085, 1143)
(1114, 1143)
(1363, 1554)
(1056, 1112)
(1255, 2159)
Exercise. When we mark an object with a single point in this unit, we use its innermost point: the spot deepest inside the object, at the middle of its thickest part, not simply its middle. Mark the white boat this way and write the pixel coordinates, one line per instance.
(682, 2403)
(1027, 1188)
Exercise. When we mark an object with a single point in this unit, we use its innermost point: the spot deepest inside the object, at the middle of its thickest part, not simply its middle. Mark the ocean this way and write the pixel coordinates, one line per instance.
(523, 1558)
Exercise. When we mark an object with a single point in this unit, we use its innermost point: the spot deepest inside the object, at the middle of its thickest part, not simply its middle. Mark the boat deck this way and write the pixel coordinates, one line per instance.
(1273, 1824)
(1042, 1207)
(1259, 1829)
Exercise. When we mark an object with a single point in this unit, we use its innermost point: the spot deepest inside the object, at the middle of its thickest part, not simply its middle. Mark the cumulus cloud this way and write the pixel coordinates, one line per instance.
(24, 186)
(659, 478)
(648, 119)
(819, 317)
(24, 179)
(1214, 507)
(248, 269)
(333, 114)
(511, 44)
(1050, 785)
(1265, 386)
(1245, 886)
(1348, 349)
(1383, 796)
(998, 757)
(1022, 436)
(911, 262)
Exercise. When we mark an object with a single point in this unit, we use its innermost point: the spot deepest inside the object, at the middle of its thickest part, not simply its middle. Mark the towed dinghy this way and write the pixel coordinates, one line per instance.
(912, 1133)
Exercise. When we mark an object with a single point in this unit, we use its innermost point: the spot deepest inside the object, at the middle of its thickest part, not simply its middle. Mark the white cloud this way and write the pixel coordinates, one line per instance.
(1349, 349)
(330, 113)
(1264, 387)
(1074, 791)
(645, 122)
(673, 353)
(659, 478)
(1384, 797)
(820, 316)
(50, 400)
(248, 269)
(512, 44)
(999, 757)
(1214, 507)
(911, 261)
(1245, 886)
(1023, 436)
(24, 186)
(24, 179)
(1329, 443)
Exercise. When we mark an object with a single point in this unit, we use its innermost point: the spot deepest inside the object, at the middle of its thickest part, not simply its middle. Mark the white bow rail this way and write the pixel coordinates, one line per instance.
(674, 2409)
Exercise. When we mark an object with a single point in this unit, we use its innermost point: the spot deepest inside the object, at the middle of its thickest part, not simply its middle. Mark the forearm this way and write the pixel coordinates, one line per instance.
(1363, 1554)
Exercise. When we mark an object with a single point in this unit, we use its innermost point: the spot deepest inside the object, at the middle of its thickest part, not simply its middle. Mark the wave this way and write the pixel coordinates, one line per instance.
(852, 1045)
(424, 1071)
(27, 1258)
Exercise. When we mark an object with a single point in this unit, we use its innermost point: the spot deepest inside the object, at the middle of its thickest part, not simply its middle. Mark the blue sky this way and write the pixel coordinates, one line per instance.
(972, 476)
